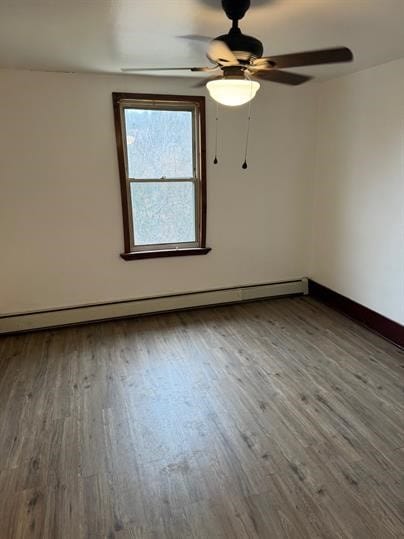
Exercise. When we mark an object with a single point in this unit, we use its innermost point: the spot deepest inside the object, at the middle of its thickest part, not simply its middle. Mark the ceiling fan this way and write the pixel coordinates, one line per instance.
(238, 61)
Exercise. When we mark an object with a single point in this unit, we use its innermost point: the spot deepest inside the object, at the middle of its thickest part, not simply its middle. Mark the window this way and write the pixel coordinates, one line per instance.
(161, 157)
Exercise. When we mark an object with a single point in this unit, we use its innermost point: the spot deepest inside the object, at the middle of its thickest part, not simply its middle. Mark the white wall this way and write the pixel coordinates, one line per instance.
(60, 213)
(358, 216)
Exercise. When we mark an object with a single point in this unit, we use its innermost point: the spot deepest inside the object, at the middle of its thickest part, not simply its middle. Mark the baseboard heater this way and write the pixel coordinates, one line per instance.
(27, 321)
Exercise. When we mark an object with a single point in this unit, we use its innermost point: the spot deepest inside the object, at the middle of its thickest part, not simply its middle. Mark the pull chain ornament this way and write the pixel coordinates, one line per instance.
(215, 161)
(244, 165)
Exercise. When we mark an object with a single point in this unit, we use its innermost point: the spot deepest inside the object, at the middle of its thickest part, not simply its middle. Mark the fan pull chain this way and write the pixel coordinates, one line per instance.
(216, 130)
(244, 165)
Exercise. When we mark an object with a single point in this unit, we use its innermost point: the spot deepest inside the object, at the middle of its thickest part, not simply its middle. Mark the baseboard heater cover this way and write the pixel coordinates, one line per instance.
(81, 314)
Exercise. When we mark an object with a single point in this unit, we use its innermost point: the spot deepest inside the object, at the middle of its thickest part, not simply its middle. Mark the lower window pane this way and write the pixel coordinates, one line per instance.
(163, 212)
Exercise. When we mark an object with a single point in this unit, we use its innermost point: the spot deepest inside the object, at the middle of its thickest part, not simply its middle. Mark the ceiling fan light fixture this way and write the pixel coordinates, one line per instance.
(232, 92)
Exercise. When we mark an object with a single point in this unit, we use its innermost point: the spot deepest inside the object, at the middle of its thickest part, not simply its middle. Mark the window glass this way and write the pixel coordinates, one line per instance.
(159, 143)
(163, 212)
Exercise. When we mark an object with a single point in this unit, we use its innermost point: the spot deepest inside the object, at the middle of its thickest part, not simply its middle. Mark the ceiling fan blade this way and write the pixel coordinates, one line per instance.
(135, 69)
(283, 77)
(220, 53)
(308, 58)
(197, 37)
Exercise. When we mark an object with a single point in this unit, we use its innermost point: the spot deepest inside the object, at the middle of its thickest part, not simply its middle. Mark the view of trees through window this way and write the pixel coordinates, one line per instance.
(159, 151)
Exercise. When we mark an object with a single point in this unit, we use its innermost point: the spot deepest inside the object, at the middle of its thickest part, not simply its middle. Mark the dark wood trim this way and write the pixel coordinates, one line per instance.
(163, 253)
(199, 101)
(119, 96)
(202, 157)
(122, 172)
(393, 331)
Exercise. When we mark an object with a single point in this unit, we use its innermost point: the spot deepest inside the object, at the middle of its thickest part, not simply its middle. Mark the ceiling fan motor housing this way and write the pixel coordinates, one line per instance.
(235, 9)
(244, 47)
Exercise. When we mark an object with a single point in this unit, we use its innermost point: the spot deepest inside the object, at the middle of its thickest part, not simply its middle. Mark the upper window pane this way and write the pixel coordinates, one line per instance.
(159, 143)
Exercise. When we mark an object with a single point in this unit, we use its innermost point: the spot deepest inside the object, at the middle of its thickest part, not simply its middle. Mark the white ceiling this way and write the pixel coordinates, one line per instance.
(105, 35)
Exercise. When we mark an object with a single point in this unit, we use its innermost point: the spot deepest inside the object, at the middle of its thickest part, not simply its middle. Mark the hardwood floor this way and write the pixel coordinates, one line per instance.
(275, 419)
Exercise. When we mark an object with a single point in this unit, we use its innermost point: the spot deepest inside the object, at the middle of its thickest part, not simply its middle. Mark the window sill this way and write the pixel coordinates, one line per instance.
(162, 253)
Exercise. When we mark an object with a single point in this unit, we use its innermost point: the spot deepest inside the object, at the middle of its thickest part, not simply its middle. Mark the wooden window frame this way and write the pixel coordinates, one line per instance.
(149, 100)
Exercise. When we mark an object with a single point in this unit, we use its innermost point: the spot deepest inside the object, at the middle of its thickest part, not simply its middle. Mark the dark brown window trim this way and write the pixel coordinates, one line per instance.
(162, 253)
(128, 254)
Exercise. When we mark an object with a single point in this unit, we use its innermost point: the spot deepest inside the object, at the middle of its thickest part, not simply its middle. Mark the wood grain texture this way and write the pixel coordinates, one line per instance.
(275, 419)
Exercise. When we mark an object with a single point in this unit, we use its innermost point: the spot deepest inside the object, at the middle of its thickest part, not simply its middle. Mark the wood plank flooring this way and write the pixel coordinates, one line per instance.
(275, 419)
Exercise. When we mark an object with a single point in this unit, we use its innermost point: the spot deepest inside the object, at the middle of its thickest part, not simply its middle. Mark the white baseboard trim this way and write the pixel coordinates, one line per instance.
(123, 309)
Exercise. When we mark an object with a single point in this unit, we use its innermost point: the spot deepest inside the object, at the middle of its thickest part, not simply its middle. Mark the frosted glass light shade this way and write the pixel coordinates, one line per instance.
(232, 92)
